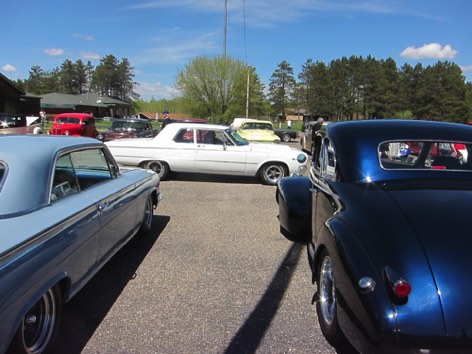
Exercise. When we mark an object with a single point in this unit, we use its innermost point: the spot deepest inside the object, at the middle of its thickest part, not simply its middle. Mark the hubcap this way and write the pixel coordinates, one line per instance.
(156, 167)
(327, 290)
(38, 324)
(274, 173)
(148, 213)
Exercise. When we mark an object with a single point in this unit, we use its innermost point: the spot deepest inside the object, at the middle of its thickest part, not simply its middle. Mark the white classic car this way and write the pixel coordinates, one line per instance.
(210, 149)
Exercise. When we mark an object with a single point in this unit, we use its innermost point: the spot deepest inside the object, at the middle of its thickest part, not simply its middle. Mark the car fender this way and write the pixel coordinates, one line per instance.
(293, 196)
(358, 309)
(31, 297)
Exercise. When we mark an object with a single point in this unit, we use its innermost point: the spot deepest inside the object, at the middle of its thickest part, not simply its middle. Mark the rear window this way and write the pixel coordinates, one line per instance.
(432, 155)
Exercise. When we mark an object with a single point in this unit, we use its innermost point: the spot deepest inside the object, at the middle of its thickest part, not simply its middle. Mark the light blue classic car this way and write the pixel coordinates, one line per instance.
(65, 209)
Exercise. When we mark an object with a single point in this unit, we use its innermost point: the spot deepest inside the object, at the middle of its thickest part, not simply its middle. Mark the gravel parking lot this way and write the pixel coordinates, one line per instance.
(213, 276)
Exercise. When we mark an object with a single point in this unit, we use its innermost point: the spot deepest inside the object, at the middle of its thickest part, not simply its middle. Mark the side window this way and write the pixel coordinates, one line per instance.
(324, 157)
(91, 167)
(317, 155)
(64, 181)
(184, 136)
(330, 159)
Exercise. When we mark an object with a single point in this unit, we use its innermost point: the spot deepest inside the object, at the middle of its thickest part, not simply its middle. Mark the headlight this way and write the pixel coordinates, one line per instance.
(66, 132)
(301, 158)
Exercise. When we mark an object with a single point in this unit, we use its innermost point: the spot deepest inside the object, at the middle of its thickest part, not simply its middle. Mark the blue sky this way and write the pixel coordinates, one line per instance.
(159, 37)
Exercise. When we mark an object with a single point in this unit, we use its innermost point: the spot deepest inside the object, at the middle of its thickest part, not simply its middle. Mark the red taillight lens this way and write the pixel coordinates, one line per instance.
(402, 288)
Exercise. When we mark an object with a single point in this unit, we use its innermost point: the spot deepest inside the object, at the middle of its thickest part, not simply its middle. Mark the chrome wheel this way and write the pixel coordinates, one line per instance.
(286, 138)
(40, 324)
(327, 291)
(148, 215)
(272, 173)
(161, 168)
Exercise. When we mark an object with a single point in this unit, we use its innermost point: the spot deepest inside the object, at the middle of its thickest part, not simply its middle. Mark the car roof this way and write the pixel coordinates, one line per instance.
(142, 120)
(357, 142)
(74, 115)
(29, 160)
(169, 131)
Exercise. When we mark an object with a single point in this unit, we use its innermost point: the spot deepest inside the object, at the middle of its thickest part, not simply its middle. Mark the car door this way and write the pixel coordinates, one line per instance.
(115, 200)
(324, 165)
(216, 153)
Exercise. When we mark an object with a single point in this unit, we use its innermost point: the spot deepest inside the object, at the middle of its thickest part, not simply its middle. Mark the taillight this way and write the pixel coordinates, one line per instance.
(397, 286)
(401, 288)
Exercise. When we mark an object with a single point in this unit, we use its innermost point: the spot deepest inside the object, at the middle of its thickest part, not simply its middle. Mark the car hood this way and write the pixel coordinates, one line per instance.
(440, 222)
(273, 147)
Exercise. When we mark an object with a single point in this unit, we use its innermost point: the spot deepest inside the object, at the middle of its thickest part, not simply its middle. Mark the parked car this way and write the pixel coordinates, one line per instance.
(255, 130)
(74, 124)
(387, 238)
(19, 124)
(128, 128)
(306, 136)
(206, 148)
(65, 209)
(286, 135)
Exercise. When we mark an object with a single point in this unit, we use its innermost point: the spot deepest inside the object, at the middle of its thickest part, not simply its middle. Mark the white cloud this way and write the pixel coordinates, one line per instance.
(8, 68)
(92, 56)
(467, 68)
(429, 51)
(54, 51)
(88, 38)
(157, 90)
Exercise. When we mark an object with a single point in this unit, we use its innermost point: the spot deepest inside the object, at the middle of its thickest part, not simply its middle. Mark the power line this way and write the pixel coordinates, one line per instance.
(225, 28)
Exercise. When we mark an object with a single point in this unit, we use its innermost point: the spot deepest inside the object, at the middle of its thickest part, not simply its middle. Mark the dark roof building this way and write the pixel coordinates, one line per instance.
(99, 106)
(13, 100)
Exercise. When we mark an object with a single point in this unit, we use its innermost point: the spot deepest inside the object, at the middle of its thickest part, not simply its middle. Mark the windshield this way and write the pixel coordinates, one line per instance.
(262, 126)
(68, 120)
(431, 155)
(122, 126)
(238, 140)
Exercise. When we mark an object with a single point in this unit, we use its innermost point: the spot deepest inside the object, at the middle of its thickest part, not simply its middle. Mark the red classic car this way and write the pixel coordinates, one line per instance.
(74, 124)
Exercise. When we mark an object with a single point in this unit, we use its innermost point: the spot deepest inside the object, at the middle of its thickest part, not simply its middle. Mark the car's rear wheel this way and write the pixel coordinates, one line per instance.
(272, 173)
(286, 137)
(160, 167)
(148, 215)
(326, 306)
(40, 325)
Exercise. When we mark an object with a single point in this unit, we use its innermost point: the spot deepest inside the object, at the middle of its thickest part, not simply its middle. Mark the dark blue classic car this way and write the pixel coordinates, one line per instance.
(383, 213)
(65, 210)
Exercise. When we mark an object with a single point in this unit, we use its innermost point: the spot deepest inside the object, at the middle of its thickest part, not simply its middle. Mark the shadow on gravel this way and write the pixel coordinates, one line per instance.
(84, 313)
(201, 177)
(252, 331)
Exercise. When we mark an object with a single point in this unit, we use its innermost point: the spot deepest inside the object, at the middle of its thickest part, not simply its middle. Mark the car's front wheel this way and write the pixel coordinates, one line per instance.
(160, 167)
(148, 215)
(40, 325)
(326, 306)
(272, 173)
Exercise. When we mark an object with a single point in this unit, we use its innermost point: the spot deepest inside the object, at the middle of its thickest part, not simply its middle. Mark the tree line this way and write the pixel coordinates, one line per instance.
(111, 77)
(222, 88)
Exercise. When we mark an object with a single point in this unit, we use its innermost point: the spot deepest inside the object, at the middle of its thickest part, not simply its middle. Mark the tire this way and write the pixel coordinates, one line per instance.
(40, 325)
(286, 137)
(272, 173)
(148, 216)
(326, 307)
(161, 168)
